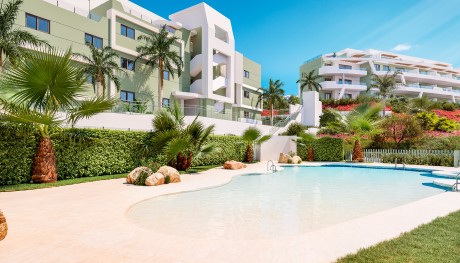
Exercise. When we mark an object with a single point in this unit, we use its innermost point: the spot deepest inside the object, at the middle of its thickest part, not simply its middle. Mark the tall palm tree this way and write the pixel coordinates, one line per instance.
(385, 85)
(98, 65)
(12, 40)
(361, 121)
(158, 54)
(253, 136)
(44, 84)
(274, 93)
(177, 141)
(310, 80)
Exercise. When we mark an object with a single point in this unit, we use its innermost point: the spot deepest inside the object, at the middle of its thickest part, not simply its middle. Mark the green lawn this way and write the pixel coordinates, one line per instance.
(438, 241)
(198, 169)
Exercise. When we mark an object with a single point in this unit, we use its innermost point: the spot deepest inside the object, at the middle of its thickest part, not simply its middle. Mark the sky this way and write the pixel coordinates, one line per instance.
(281, 35)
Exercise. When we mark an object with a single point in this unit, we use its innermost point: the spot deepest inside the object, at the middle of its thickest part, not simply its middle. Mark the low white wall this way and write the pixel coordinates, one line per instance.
(312, 108)
(143, 122)
(271, 149)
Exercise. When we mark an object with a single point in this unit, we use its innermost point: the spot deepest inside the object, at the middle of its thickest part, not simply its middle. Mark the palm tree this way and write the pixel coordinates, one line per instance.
(310, 80)
(361, 121)
(13, 40)
(157, 52)
(44, 84)
(178, 142)
(385, 85)
(98, 65)
(274, 93)
(421, 104)
(253, 136)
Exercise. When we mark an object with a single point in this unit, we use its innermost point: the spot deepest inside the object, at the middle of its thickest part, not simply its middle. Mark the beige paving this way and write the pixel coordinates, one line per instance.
(87, 223)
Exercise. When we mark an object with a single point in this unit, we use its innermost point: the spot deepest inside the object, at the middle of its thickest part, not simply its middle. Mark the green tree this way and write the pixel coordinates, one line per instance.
(44, 84)
(293, 100)
(98, 65)
(422, 104)
(253, 136)
(177, 141)
(401, 128)
(360, 122)
(158, 55)
(274, 93)
(310, 80)
(13, 39)
(385, 85)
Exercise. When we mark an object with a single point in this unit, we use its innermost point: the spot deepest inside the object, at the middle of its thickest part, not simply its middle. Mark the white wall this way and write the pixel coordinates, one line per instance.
(312, 108)
(271, 149)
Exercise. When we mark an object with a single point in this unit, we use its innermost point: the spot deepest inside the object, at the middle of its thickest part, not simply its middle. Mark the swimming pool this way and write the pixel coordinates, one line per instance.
(293, 201)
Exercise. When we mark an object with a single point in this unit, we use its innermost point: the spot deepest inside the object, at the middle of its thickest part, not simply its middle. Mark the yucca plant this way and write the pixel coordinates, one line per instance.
(180, 143)
(48, 87)
(252, 136)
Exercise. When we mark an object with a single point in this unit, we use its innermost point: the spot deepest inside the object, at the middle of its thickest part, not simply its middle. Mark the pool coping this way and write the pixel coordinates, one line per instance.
(99, 230)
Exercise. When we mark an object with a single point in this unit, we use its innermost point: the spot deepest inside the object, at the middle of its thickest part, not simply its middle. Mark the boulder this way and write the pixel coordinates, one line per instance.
(284, 158)
(173, 174)
(155, 179)
(234, 165)
(3, 226)
(296, 160)
(134, 174)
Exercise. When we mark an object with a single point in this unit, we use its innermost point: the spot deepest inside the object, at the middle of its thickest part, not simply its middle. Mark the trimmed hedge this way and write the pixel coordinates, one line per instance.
(326, 149)
(94, 152)
(429, 159)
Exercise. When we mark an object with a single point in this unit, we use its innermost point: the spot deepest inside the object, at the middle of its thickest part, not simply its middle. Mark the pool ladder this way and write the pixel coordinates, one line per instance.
(396, 164)
(455, 186)
(271, 167)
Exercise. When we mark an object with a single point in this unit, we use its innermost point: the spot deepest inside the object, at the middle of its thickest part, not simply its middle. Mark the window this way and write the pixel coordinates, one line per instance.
(126, 96)
(246, 94)
(347, 96)
(347, 81)
(170, 29)
(166, 75)
(344, 67)
(246, 74)
(165, 103)
(327, 96)
(377, 67)
(128, 32)
(246, 114)
(38, 23)
(96, 41)
(327, 79)
(386, 68)
(127, 64)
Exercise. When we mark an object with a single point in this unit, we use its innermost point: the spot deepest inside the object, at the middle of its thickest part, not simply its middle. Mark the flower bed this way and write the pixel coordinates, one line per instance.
(451, 115)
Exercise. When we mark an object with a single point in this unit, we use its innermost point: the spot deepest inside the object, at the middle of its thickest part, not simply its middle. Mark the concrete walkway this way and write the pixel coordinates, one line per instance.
(87, 223)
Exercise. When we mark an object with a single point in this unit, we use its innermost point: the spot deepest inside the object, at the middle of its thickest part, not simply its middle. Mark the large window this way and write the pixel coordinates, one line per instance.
(38, 23)
(128, 32)
(386, 68)
(127, 64)
(327, 96)
(344, 67)
(246, 94)
(127, 96)
(246, 114)
(246, 74)
(96, 41)
(166, 75)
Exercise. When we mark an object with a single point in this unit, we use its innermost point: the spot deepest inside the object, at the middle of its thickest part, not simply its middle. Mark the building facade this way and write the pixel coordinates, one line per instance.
(347, 74)
(216, 81)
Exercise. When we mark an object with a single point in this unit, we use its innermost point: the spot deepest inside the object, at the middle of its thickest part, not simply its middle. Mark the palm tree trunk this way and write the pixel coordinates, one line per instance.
(384, 101)
(311, 154)
(160, 86)
(249, 153)
(357, 152)
(271, 113)
(183, 162)
(44, 168)
(98, 88)
(1, 60)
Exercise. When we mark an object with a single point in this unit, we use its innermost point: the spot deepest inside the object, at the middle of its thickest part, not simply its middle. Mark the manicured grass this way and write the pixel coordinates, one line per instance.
(22, 187)
(198, 169)
(438, 241)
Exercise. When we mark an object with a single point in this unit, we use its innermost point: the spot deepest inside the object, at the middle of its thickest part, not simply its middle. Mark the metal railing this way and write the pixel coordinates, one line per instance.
(376, 155)
(282, 123)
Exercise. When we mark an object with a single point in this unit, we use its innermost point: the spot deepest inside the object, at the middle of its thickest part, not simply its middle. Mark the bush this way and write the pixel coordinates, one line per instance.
(400, 105)
(295, 129)
(446, 125)
(438, 143)
(449, 106)
(140, 180)
(428, 120)
(326, 149)
(429, 159)
(329, 116)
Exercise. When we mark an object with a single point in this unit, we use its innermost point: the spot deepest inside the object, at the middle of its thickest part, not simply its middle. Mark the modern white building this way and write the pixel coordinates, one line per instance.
(347, 74)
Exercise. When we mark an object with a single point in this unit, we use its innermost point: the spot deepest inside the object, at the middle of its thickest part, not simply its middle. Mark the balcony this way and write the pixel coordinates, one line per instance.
(335, 85)
(334, 70)
(430, 77)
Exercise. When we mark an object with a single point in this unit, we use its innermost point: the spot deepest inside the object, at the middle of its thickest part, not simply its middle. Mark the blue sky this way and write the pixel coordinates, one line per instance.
(280, 35)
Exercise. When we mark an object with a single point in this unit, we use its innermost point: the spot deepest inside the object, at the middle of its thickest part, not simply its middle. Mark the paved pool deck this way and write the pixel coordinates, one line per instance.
(87, 223)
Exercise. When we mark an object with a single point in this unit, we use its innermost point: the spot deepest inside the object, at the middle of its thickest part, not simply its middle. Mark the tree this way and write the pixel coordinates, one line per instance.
(12, 40)
(274, 93)
(385, 85)
(293, 100)
(44, 84)
(253, 136)
(177, 141)
(310, 80)
(361, 121)
(98, 65)
(421, 104)
(158, 55)
(401, 127)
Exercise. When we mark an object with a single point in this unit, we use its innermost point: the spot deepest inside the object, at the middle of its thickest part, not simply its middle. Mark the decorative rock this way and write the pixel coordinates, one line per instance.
(284, 158)
(234, 165)
(3, 226)
(155, 179)
(132, 176)
(173, 174)
(296, 160)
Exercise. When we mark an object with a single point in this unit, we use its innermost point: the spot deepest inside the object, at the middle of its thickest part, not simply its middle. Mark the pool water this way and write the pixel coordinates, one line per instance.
(293, 201)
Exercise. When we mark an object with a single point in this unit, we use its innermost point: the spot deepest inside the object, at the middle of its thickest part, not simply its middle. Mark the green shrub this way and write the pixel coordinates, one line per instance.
(328, 116)
(295, 129)
(400, 105)
(446, 125)
(429, 159)
(167, 179)
(449, 106)
(140, 180)
(428, 120)
(228, 148)
(326, 149)
(438, 143)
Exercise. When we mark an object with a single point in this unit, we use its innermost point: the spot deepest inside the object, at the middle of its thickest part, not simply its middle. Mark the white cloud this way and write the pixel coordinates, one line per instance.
(402, 47)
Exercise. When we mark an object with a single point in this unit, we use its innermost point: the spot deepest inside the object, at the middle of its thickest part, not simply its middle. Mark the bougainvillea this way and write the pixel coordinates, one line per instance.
(451, 115)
